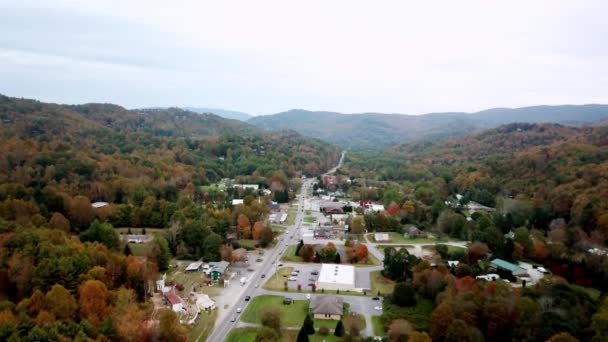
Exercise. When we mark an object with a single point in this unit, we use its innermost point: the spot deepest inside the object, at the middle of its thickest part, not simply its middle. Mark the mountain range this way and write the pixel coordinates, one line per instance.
(377, 131)
(227, 114)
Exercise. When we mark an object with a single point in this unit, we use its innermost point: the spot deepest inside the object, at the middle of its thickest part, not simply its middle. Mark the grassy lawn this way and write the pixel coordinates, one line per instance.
(289, 254)
(455, 249)
(419, 315)
(291, 315)
(381, 284)
(203, 326)
(138, 249)
(247, 244)
(310, 219)
(291, 216)
(371, 261)
(242, 335)
(593, 293)
(378, 328)
(320, 338)
(277, 281)
(331, 324)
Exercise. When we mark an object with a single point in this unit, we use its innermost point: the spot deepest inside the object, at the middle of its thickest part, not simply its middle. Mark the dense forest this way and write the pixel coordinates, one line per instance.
(64, 273)
(543, 191)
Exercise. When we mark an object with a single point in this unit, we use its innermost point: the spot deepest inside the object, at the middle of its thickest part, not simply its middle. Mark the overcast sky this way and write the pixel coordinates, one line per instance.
(263, 57)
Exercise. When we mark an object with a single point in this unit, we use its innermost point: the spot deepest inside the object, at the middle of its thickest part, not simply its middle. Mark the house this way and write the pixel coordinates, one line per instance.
(175, 302)
(327, 307)
(195, 266)
(137, 238)
(500, 264)
(413, 232)
(160, 285)
(247, 186)
(382, 237)
(330, 207)
(453, 263)
(237, 201)
(217, 269)
(377, 207)
(97, 205)
(203, 302)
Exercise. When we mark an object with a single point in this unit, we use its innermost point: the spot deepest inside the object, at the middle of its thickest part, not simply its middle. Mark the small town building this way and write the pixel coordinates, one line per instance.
(516, 270)
(382, 237)
(247, 186)
(203, 302)
(237, 201)
(175, 301)
(194, 267)
(97, 205)
(336, 277)
(218, 269)
(136, 238)
(327, 307)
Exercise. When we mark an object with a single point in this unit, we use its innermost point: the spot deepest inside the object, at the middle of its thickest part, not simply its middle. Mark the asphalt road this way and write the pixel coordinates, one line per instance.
(271, 257)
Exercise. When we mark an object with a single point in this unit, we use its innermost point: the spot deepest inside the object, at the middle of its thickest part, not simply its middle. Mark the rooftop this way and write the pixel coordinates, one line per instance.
(332, 305)
(506, 265)
(337, 274)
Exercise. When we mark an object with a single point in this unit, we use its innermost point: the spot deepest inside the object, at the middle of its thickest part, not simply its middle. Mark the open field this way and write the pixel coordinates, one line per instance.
(380, 284)
(310, 219)
(292, 315)
(378, 328)
(291, 216)
(203, 326)
(277, 281)
(289, 254)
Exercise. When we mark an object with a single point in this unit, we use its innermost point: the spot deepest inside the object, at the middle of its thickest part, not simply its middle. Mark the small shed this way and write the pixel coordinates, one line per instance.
(174, 301)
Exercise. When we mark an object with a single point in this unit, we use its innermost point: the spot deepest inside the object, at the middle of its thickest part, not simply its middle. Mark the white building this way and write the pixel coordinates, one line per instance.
(97, 205)
(247, 186)
(175, 302)
(203, 302)
(336, 277)
(237, 201)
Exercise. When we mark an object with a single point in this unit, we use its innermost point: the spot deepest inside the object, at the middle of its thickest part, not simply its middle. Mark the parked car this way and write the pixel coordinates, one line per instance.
(263, 275)
(308, 296)
(378, 308)
(247, 298)
(376, 298)
(292, 278)
(238, 310)
(314, 273)
(280, 265)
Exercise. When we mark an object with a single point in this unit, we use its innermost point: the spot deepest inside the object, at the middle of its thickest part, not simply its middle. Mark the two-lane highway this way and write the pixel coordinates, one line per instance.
(271, 258)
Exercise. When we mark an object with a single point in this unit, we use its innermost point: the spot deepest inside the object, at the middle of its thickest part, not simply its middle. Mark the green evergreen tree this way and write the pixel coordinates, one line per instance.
(338, 260)
(127, 251)
(309, 325)
(299, 246)
(339, 331)
(302, 336)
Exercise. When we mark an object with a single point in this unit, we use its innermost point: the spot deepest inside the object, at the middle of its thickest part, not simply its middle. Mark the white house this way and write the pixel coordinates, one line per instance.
(237, 201)
(247, 186)
(175, 302)
(203, 302)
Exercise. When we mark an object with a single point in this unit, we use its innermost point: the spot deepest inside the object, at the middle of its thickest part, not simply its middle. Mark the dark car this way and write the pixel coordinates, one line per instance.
(376, 298)
(314, 273)
(247, 298)
(263, 275)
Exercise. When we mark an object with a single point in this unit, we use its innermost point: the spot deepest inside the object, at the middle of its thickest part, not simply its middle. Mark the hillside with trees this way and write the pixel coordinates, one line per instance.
(64, 272)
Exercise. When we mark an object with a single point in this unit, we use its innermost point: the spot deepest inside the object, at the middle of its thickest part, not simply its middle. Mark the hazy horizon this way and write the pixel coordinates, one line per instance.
(268, 57)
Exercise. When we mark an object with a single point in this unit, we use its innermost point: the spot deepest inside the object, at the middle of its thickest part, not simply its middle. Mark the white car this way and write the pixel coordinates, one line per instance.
(379, 308)
(238, 310)
(308, 296)
(292, 278)
(542, 270)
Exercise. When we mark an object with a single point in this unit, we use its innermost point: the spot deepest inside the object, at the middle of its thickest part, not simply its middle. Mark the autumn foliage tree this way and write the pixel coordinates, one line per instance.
(400, 330)
(362, 253)
(94, 301)
(307, 252)
(81, 212)
(244, 226)
(256, 231)
(59, 221)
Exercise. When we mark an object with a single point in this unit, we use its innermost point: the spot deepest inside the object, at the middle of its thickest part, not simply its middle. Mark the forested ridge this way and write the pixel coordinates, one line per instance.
(64, 273)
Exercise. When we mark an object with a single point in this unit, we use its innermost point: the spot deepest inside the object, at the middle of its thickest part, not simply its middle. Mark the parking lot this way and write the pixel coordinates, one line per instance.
(304, 278)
